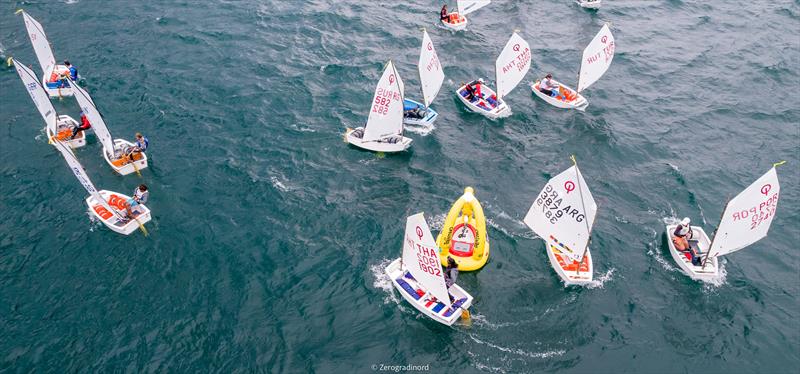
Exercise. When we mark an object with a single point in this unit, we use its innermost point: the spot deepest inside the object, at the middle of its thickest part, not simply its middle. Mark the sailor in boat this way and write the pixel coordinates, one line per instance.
(414, 112)
(450, 274)
(139, 147)
(443, 15)
(680, 238)
(140, 195)
(73, 71)
(84, 125)
(548, 87)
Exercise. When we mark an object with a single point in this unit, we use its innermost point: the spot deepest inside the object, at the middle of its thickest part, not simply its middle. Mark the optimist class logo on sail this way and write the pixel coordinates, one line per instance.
(384, 97)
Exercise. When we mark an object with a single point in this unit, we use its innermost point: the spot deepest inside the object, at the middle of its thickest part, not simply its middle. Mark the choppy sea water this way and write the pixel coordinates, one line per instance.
(270, 234)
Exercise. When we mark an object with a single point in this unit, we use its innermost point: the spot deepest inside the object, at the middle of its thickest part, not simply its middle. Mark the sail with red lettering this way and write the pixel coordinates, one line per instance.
(468, 6)
(40, 44)
(386, 113)
(597, 58)
(80, 173)
(512, 64)
(39, 96)
(421, 258)
(431, 75)
(564, 213)
(747, 216)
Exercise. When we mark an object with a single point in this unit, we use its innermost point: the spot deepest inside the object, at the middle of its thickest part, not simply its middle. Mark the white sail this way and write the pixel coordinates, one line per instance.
(80, 173)
(421, 258)
(94, 117)
(431, 75)
(512, 64)
(596, 58)
(386, 113)
(564, 213)
(39, 96)
(747, 216)
(468, 6)
(40, 44)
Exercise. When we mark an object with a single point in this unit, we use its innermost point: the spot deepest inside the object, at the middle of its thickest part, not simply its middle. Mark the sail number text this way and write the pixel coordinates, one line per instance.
(550, 202)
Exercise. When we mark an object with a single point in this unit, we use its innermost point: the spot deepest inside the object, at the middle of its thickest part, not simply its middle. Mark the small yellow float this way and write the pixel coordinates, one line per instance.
(463, 235)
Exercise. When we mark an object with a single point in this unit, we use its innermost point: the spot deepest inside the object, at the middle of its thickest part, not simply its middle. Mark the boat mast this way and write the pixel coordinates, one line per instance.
(419, 75)
(714, 236)
(402, 99)
(586, 216)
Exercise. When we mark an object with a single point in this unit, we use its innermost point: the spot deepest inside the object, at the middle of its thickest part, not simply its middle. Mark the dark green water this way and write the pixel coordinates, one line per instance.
(270, 234)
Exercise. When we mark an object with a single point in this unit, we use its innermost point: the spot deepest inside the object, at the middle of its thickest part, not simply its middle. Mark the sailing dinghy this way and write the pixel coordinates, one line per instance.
(58, 127)
(745, 220)
(563, 215)
(419, 278)
(597, 58)
(431, 77)
(54, 76)
(383, 131)
(457, 21)
(510, 67)
(107, 206)
(114, 150)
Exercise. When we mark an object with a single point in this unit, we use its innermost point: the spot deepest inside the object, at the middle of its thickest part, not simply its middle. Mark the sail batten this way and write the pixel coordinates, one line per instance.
(468, 6)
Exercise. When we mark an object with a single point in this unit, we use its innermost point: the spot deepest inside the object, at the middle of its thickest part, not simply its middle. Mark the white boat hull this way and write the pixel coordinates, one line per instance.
(395, 143)
(64, 126)
(701, 242)
(579, 103)
(459, 25)
(57, 88)
(426, 121)
(482, 106)
(124, 167)
(571, 272)
(422, 301)
(590, 4)
(116, 200)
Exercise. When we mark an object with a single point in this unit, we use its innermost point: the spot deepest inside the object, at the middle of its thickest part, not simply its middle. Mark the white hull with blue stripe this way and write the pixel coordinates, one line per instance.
(423, 301)
(429, 115)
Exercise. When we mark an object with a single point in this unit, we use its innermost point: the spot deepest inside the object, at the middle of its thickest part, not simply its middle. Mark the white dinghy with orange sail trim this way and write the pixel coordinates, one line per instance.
(457, 21)
(563, 216)
(114, 150)
(383, 131)
(108, 206)
(510, 67)
(57, 126)
(745, 220)
(431, 77)
(597, 57)
(419, 278)
(54, 76)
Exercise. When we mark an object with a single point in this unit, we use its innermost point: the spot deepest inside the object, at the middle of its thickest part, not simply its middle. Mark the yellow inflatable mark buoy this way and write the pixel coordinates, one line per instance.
(463, 235)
